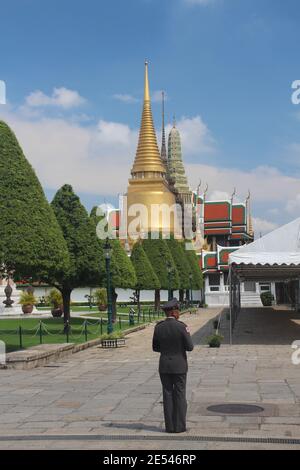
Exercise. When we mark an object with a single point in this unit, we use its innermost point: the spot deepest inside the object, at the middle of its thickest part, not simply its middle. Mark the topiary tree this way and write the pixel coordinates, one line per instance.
(86, 266)
(146, 277)
(160, 257)
(122, 271)
(181, 263)
(194, 269)
(32, 246)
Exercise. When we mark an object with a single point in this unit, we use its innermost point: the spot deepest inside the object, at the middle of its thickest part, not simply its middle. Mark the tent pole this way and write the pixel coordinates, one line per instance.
(230, 304)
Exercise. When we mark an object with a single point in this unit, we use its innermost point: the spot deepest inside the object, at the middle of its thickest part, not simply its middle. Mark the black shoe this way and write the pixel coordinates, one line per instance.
(169, 431)
(177, 432)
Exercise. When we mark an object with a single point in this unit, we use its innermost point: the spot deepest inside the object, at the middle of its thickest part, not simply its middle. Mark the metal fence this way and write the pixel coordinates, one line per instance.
(45, 333)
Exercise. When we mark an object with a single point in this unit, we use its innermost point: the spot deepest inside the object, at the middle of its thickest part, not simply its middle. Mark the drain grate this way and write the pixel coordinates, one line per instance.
(235, 409)
(134, 437)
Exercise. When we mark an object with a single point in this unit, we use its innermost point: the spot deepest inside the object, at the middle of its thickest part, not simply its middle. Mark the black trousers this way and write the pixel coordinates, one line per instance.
(175, 405)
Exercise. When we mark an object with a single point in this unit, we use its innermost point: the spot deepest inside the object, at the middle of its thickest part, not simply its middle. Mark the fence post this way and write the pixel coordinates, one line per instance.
(101, 326)
(120, 325)
(67, 331)
(41, 333)
(85, 330)
(20, 337)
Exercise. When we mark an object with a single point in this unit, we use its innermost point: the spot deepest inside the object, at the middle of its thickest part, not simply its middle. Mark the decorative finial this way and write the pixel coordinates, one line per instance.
(174, 120)
(146, 89)
(198, 188)
(233, 194)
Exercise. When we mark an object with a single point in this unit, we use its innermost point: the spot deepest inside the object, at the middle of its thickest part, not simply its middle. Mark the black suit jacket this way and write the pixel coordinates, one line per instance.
(172, 340)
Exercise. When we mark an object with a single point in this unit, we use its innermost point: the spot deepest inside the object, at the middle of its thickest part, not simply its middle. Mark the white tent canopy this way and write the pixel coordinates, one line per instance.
(275, 256)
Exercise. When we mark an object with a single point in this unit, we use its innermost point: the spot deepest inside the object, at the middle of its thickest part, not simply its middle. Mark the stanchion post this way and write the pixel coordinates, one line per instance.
(85, 330)
(41, 333)
(20, 337)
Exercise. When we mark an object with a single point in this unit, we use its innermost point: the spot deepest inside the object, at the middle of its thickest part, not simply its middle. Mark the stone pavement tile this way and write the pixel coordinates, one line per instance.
(205, 419)
(285, 430)
(288, 409)
(282, 420)
(13, 417)
(40, 425)
(277, 400)
(243, 419)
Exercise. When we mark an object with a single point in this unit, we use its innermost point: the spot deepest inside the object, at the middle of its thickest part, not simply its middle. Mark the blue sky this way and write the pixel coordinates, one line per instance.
(227, 67)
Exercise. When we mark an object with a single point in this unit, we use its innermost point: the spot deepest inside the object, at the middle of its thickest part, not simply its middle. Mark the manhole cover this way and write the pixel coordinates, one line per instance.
(235, 409)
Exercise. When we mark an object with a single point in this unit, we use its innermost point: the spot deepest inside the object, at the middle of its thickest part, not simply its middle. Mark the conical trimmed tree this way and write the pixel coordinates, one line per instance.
(182, 265)
(197, 277)
(122, 271)
(86, 267)
(160, 257)
(146, 277)
(32, 246)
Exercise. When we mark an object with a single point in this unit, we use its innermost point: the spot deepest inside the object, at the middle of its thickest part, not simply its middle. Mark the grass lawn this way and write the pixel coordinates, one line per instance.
(52, 331)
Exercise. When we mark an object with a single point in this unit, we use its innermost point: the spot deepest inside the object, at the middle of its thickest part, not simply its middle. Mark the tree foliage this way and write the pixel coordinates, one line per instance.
(181, 262)
(160, 256)
(197, 280)
(86, 259)
(122, 270)
(31, 242)
(86, 266)
(146, 277)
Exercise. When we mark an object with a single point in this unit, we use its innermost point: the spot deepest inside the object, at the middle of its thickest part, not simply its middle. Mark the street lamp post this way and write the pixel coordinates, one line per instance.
(107, 252)
(191, 288)
(169, 269)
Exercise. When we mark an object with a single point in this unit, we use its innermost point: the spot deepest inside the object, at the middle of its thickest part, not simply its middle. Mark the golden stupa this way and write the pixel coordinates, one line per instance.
(148, 185)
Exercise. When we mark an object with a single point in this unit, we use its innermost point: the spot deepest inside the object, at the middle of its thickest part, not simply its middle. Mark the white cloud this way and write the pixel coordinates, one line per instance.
(61, 97)
(293, 205)
(125, 98)
(218, 195)
(262, 226)
(156, 96)
(267, 184)
(97, 159)
(196, 138)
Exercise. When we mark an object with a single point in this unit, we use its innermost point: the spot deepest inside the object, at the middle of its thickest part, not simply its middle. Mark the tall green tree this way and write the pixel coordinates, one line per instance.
(122, 272)
(181, 263)
(32, 246)
(195, 270)
(86, 266)
(121, 268)
(145, 275)
(160, 257)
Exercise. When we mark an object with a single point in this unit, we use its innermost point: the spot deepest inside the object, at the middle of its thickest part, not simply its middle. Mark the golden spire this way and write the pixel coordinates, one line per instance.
(147, 159)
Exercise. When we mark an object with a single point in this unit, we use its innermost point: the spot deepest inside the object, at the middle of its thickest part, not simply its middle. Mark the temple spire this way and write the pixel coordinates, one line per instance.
(147, 158)
(163, 136)
(146, 88)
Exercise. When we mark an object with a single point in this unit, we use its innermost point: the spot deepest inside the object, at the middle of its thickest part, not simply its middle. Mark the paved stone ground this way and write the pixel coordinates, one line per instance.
(118, 393)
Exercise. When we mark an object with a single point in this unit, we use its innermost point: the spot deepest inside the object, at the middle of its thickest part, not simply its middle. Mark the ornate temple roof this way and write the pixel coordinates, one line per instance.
(176, 171)
(147, 158)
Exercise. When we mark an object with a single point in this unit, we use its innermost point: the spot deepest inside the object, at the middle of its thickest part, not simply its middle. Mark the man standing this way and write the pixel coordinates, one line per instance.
(172, 339)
